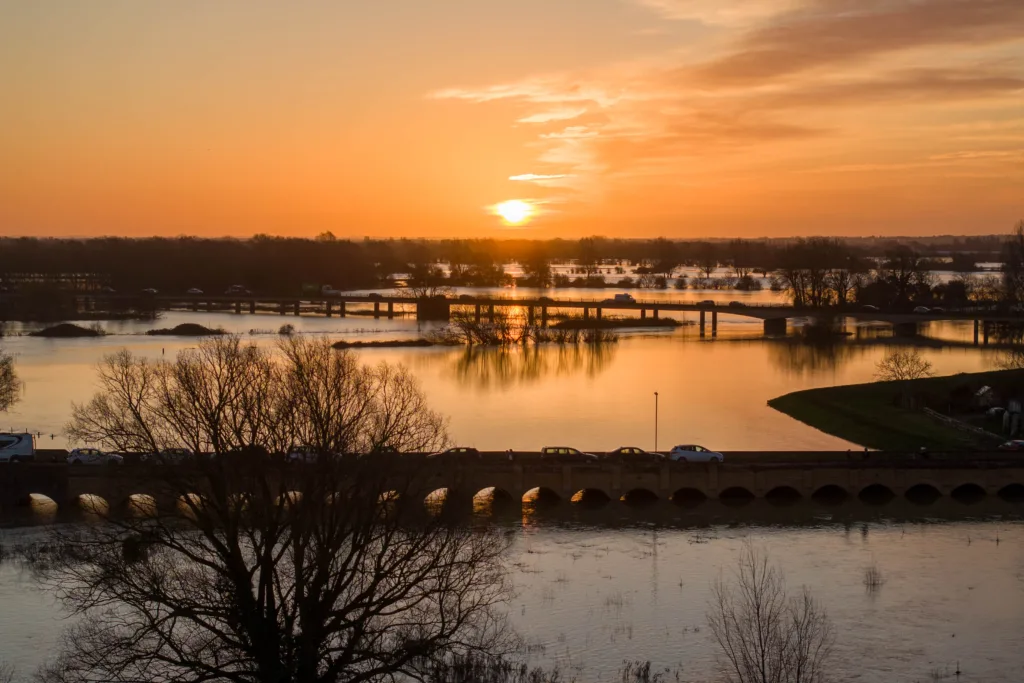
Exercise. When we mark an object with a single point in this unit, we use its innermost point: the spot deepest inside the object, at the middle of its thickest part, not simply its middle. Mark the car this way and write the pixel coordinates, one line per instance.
(938, 309)
(374, 295)
(545, 300)
(694, 453)
(707, 302)
(633, 453)
(623, 298)
(1012, 445)
(168, 456)
(467, 297)
(457, 452)
(922, 309)
(869, 307)
(306, 454)
(150, 291)
(737, 304)
(194, 291)
(560, 452)
(15, 448)
(237, 289)
(93, 456)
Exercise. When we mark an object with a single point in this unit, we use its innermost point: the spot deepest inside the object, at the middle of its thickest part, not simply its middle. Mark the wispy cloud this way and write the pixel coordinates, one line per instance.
(533, 177)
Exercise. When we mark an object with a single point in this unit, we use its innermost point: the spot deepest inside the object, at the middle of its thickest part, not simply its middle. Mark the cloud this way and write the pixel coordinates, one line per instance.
(719, 12)
(534, 177)
(563, 114)
(836, 31)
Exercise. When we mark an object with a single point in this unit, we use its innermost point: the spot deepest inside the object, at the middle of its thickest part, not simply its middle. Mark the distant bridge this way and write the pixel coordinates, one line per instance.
(829, 477)
(774, 316)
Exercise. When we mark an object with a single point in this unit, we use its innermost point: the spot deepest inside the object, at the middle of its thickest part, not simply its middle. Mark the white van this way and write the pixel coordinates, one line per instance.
(17, 447)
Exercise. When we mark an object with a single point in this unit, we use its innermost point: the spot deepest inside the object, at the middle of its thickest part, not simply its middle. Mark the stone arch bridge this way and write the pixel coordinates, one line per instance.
(525, 476)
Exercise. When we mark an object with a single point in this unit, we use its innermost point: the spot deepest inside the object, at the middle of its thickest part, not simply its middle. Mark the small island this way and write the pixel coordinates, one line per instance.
(187, 330)
(957, 412)
(67, 331)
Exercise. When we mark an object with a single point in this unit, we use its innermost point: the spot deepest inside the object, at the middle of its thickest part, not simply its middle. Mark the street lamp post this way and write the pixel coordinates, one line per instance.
(655, 421)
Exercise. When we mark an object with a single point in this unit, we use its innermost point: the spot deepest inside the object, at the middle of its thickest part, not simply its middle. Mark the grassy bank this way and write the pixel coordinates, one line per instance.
(874, 415)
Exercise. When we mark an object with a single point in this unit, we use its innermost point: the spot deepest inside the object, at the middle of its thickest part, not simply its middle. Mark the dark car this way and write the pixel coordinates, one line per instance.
(467, 297)
(457, 452)
(545, 300)
(1013, 445)
(632, 453)
(565, 453)
(374, 295)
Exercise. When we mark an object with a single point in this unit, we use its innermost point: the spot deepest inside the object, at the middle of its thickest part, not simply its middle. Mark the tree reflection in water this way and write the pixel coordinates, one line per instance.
(499, 367)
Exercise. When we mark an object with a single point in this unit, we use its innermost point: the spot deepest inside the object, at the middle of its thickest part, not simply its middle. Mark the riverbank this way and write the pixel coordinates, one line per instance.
(891, 415)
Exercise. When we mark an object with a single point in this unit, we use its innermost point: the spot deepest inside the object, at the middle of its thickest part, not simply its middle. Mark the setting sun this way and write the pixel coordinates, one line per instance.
(514, 211)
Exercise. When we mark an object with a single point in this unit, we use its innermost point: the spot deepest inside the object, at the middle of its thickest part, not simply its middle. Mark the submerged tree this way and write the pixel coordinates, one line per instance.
(241, 567)
(902, 364)
(767, 635)
(10, 385)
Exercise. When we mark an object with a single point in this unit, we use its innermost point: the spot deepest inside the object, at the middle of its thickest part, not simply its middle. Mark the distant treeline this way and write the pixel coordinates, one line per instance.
(282, 265)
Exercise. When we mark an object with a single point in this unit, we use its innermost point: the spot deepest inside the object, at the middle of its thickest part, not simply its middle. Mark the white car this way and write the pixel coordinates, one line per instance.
(922, 309)
(93, 456)
(302, 454)
(17, 448)
(195, 291)
(694, 453)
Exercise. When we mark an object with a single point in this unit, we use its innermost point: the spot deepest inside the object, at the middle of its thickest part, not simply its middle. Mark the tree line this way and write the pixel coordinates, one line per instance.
(286, 265)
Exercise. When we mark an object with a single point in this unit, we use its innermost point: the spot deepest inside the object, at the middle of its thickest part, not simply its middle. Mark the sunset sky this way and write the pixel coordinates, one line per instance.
(680, 118)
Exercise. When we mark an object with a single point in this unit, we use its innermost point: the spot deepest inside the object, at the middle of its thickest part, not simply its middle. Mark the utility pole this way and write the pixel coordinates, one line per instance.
(655, 421)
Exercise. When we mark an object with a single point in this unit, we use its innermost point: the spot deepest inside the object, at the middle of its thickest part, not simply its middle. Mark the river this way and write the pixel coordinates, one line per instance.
(599, 587)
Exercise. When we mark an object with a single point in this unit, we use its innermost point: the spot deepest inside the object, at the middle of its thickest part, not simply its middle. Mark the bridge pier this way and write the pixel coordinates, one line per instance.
(655, 312)
(714, 323)
(643, 314)
(975, 332)
(586, 313)
(376, 309)
(544, 316)
(252, 305)
(702, 319)
(984, 332)
(327, 308)
(774, 326)
(283, 308)
(490, 313)
(195, 306)
(238, 307)
(391, 310)
(297, 307)
(599, 314)
(530, 316)
(341, 309)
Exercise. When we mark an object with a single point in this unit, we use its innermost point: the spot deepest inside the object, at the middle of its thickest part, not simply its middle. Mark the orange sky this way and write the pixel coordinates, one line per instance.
(637, 118)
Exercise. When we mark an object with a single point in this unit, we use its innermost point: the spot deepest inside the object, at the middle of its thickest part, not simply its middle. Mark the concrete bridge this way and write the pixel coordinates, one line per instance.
(783, 477)
(536, 308)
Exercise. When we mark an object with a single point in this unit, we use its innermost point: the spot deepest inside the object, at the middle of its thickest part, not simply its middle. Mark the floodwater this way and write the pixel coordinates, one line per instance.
(712, 390)
(597, 587)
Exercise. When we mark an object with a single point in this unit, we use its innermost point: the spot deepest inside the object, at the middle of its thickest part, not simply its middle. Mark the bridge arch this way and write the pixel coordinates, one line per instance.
(42, 505)
(968, 493)
(541, 495)
(688, 497)
(590, 497)
(736, 496)
(493, 496)
(288, 499)
(876, 494)
(140, 505)
(783, 495)
(639, 497)
(92, 504)
(923, 493)
(1013, 493)
(189, 503)
(830, 494)
(436, 497)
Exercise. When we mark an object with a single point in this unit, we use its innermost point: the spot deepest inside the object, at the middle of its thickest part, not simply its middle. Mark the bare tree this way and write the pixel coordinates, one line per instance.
(901, 364)
(10, 385)
(6, 672)
(765, 634)
(248, 568)
(1013, 265)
